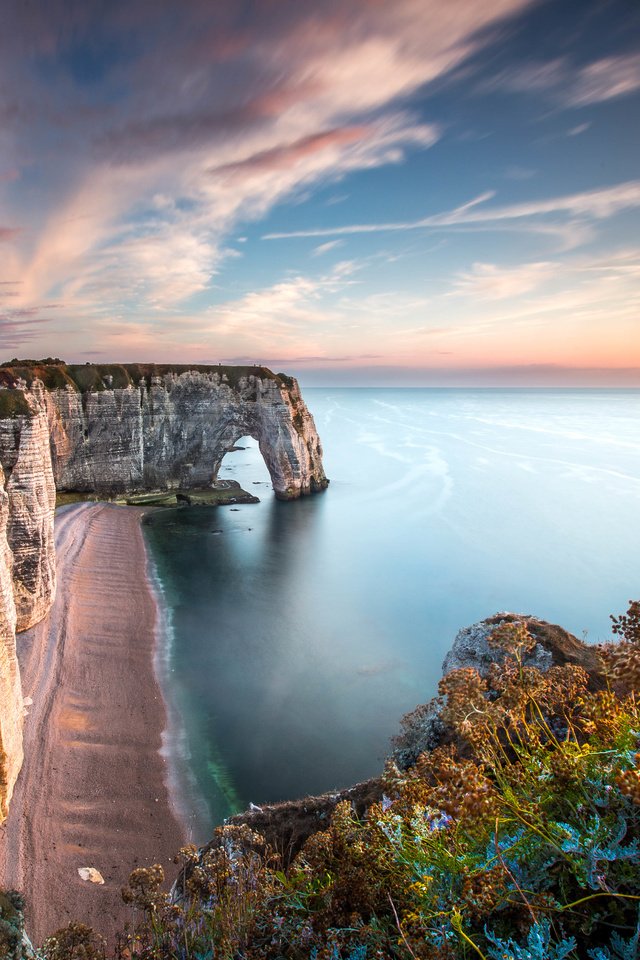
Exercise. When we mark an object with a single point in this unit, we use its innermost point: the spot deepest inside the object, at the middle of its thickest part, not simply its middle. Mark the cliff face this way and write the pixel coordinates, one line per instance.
(133, 427)
(114, 429)
(10, 690)
(26, 460)
(175, 430)
(27, 556)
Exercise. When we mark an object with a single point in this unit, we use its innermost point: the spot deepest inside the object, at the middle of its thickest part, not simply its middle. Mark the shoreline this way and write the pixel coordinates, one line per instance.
(187, 805)
(96, 785)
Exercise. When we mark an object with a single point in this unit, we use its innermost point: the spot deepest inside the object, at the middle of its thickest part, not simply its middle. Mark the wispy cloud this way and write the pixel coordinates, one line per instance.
(141, 141)
(273, 359)
(488, 281)
(577, 130)
(598, 204)
(224, 116)
(605, 79)
(20, 327)
(323, 248)
(571, 86)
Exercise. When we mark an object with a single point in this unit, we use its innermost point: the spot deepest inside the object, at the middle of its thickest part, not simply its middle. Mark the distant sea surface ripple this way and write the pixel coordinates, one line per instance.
(297, 634)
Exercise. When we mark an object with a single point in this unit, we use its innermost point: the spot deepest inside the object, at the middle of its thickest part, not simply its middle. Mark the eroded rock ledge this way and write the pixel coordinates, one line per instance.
(286, 826)
(113, 429)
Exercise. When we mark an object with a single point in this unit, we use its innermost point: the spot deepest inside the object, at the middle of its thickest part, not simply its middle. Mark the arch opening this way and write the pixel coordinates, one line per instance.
(244, 463)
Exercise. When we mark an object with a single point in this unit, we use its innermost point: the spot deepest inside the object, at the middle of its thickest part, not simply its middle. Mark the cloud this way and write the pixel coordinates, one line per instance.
(605, 79)
(487, 281)
(489, 313)
(22, 326)
(221, 114)
(577, 130)
(163, 268)
(532, 77)
(598, 204)
(571, 86)
(326, 247)
(488, 375)
(8, 233)
(274, 360)
(290, 155)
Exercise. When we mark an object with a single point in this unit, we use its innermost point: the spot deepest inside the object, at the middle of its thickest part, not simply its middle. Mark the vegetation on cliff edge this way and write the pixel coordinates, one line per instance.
(518, 840)
(56, 374)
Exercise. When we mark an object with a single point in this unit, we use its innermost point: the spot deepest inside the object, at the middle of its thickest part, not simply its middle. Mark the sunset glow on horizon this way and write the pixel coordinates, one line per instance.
(356, 192)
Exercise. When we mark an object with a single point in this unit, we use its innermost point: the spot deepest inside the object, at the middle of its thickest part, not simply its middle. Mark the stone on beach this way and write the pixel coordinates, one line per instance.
(91, 875)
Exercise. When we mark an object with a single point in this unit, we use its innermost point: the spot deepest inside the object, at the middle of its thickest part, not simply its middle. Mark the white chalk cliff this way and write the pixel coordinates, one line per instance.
(113, 429)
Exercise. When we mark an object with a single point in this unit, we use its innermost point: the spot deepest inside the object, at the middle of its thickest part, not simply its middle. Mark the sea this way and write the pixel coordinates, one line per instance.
(294, 636)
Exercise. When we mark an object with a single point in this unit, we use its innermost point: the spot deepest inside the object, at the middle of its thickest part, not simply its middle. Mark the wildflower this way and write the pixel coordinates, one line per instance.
(628, 782)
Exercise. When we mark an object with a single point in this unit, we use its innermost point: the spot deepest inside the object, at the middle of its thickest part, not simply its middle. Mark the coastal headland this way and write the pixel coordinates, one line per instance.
(92, 791)
(117, 431)
(82, 779)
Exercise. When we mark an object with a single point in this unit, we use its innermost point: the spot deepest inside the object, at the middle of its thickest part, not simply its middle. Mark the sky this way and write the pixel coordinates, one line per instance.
(356, 192)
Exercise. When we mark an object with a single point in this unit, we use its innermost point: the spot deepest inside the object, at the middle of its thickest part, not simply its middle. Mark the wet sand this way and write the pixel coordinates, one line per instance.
(92, 789)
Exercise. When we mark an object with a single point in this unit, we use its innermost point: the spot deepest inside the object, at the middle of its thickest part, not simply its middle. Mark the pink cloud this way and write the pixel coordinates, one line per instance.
(254, 98)
(288, 156)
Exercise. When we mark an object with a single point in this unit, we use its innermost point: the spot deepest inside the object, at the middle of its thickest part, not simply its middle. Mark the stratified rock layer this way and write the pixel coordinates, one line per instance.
(137, 427)
(10, 690)
(27, 557)
(26, 460)
(115, 429)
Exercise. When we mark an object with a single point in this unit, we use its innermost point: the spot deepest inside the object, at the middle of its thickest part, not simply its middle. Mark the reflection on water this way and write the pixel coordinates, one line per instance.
(302, 631)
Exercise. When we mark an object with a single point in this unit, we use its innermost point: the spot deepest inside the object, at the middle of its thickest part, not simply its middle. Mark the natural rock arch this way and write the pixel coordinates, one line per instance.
(119, 428)
(173, 427)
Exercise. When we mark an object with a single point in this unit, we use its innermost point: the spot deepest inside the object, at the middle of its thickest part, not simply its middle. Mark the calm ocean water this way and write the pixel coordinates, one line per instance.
(298, 634)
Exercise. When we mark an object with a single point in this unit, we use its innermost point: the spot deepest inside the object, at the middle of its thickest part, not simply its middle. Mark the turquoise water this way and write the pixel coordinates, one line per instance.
(298, 634)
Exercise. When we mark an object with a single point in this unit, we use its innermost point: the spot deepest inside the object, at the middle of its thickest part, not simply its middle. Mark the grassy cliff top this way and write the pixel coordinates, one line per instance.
(13, 403)
(55, 373)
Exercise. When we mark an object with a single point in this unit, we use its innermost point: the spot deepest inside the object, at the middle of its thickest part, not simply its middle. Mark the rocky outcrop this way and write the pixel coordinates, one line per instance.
(10, 690)
(26, 460)
(142, 427)
(27, 556)
(423, 730)
(116, 429)
(286, 826)
(555, 646)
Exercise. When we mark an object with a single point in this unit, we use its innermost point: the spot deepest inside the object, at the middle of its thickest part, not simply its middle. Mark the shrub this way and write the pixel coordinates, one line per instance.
(519, 840)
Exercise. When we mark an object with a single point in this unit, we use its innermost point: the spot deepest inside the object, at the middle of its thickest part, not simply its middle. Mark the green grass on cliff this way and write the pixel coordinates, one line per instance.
(517, 839)
(13, 403)
(55, 374)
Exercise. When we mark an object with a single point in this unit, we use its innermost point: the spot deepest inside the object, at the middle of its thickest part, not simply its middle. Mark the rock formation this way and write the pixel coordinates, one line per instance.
(26, 460)
(113, 429)
(135, 427)
(286, 826)
(10, 689)
(27, 558)
(423, 729)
